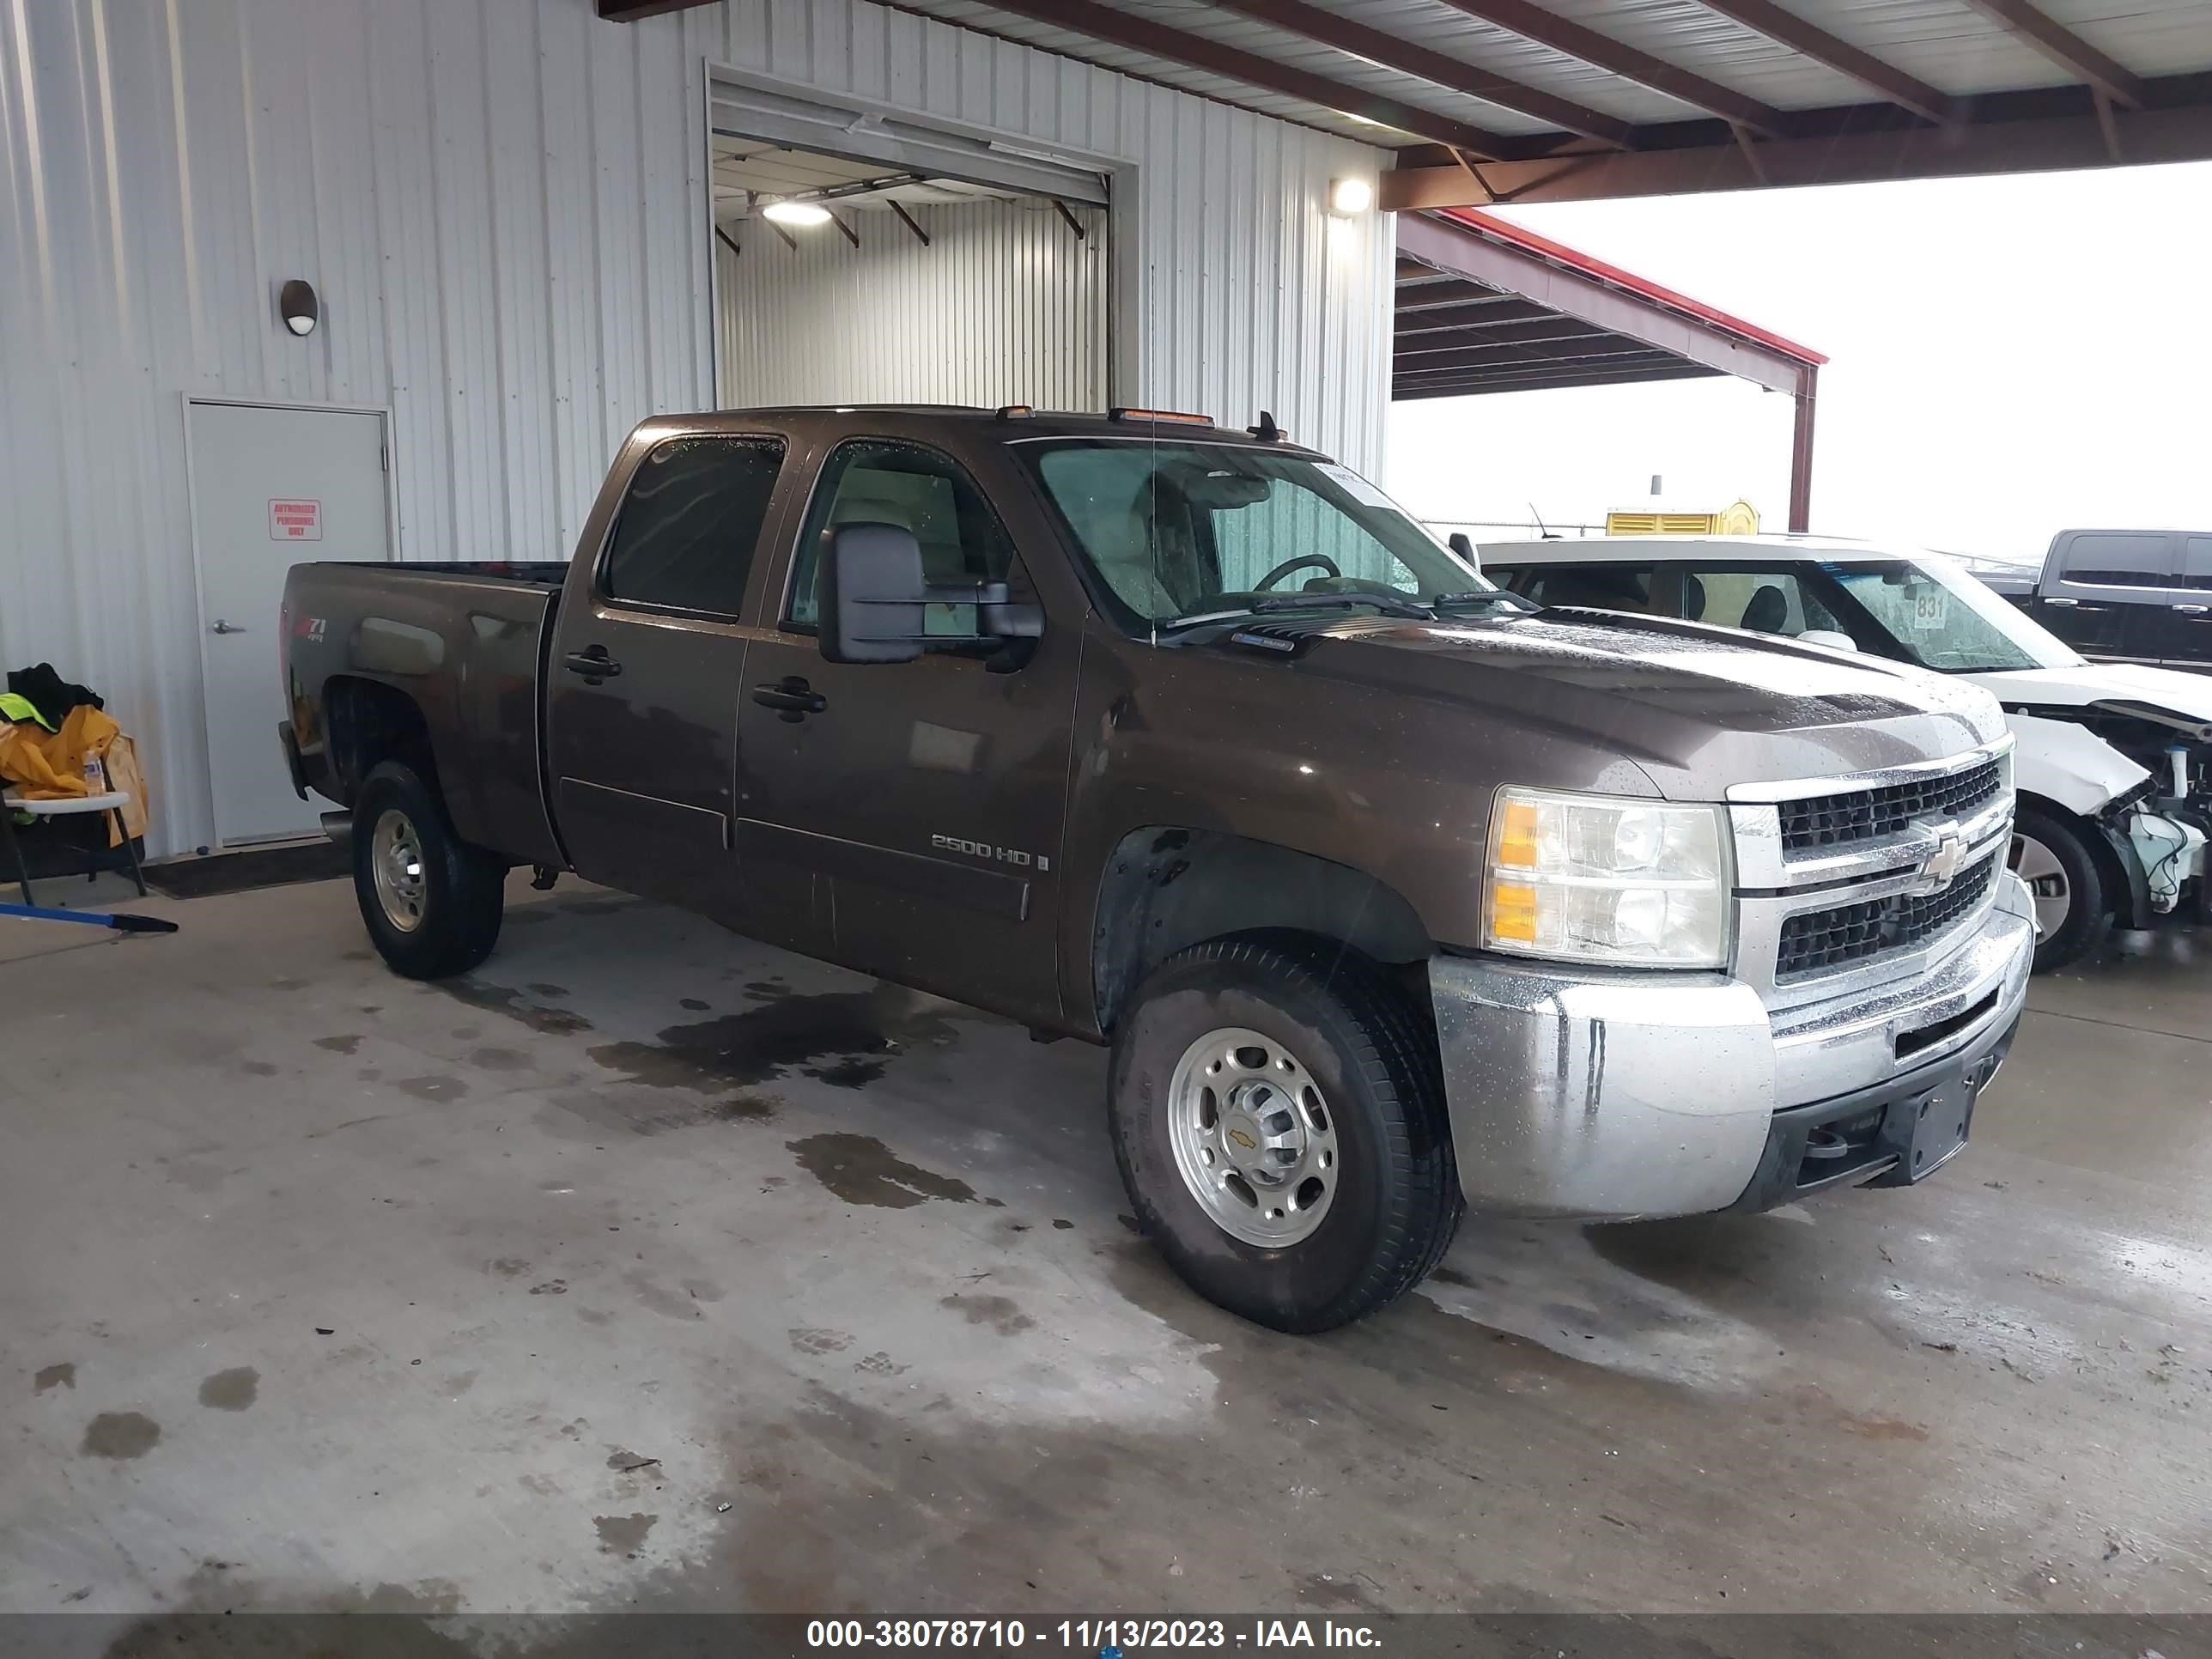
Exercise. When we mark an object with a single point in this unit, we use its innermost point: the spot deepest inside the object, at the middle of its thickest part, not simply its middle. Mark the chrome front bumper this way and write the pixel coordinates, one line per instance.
(1614, 1097)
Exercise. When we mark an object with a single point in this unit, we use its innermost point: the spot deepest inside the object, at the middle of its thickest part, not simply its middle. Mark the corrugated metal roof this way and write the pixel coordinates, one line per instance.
(2077, 82)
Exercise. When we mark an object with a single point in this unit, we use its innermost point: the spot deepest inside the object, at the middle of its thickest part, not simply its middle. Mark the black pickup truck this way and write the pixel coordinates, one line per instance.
(1392, 892)
(2139, 596)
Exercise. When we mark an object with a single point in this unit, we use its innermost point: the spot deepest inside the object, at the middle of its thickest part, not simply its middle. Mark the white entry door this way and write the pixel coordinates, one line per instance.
(271, 488)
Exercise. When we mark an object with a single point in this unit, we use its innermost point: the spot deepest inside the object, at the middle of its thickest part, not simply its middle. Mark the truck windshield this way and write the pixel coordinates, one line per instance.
(1941, 617)
(1187, 532)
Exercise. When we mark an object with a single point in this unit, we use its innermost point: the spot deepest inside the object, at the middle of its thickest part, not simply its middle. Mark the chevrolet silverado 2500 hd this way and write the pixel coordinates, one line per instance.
(1392, 893)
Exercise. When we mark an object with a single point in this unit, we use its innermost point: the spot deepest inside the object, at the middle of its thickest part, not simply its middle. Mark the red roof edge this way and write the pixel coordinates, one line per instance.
(1644, 286)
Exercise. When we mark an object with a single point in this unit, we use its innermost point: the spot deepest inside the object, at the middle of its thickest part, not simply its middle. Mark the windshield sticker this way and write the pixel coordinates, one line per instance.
(1930, 607)
(1355, 486)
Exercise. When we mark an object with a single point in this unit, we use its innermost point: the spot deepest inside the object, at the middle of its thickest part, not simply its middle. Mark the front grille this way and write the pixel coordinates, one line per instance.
(1841, 820)
(1814, 941)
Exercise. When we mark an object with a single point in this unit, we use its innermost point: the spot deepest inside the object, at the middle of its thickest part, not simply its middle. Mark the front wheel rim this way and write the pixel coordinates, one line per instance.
(1253, 1137)
(2038, 866)
(395, 863)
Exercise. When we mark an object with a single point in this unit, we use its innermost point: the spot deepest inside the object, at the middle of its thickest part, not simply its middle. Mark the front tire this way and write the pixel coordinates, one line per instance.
(431, 902)
(1278, 1116)
(2073, 906)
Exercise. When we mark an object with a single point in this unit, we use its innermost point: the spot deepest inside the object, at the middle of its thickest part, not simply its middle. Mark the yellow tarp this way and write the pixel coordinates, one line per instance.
(41, 765)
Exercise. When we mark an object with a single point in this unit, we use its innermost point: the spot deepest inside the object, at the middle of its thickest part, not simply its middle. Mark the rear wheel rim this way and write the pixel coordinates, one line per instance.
(2047, 884)
(1253, 1139)
(395, 864)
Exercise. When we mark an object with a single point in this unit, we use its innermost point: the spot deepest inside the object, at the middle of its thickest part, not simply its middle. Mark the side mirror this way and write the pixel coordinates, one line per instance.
(1460, 543)
(1829, 637)
(874, 592)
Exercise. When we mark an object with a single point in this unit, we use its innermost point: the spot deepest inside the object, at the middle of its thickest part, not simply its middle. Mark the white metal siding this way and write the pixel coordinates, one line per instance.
(502, 205)
(1005, 305)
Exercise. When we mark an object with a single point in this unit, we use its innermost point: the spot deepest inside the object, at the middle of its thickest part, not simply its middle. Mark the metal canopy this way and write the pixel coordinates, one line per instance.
(1534, 101)
(1483, 306)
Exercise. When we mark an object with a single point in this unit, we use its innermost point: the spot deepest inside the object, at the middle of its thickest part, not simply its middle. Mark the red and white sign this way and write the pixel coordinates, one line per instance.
(295, 521)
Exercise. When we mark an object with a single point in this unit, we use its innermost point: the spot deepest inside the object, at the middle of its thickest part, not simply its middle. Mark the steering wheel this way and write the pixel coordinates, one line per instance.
(1267, 583)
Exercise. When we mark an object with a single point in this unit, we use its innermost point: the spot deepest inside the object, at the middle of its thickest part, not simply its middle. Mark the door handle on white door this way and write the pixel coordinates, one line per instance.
(2192, 609)
(222, 627)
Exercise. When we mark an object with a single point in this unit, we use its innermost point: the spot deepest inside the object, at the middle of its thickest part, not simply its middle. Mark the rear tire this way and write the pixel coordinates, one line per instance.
(431, 902)
(2073, 903)
(1325, 1187)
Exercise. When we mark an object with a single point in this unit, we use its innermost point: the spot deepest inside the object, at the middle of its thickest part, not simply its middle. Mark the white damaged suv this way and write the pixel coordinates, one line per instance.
(2113, 761)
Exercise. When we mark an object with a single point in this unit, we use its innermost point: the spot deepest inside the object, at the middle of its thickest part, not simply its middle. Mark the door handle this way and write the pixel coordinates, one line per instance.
(592, 663)
(792, 695)
(2192, 609)
(222, 627)
(2066, 603)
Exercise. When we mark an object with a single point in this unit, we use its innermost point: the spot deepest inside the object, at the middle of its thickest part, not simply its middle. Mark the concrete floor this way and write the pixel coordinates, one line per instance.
(653, 1269)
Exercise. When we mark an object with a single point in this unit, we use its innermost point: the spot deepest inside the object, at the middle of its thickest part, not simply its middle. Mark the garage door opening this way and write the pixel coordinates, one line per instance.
(902, 265)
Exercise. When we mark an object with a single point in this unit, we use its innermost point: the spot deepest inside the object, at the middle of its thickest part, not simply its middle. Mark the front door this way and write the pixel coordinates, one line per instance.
(647, 662)
(930, 793)
(271, 488)
(2106, 593)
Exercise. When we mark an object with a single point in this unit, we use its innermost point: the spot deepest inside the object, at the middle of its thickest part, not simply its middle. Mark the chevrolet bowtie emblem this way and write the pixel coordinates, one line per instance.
(1942, 866)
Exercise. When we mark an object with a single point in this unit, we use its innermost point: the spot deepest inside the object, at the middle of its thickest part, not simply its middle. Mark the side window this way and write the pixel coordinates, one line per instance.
(1762, 601)
(874, 482)
(1599, 586)
(2120, 561)
(2196, 562)
(685, 536)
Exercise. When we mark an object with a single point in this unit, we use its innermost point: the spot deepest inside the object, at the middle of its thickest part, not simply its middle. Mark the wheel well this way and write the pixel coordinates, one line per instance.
(2122, 885)
(368, 723)
(1166, 889)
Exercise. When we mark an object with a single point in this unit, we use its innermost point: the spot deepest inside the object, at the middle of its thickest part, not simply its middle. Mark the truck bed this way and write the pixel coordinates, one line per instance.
(465, 641)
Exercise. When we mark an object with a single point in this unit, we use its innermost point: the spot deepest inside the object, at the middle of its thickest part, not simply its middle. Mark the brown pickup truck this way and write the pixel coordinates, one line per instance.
(1391, 893)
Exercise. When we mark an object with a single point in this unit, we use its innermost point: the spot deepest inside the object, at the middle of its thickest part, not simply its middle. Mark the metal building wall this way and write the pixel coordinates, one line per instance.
(504, 205)
(1003, 305)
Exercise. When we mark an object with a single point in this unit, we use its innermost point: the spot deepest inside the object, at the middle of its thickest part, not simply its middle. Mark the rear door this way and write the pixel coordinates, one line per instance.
(2188, 637)
(648, 659)
(2106, 592)
(928, 794)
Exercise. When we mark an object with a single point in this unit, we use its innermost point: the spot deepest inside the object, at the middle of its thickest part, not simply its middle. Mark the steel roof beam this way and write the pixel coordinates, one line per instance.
(2068, 49)
(2176, 127)
(1787, 28)
(1347, 34)
(1216, 58)
(633, 11)
(1563, 35)
(1543, 379)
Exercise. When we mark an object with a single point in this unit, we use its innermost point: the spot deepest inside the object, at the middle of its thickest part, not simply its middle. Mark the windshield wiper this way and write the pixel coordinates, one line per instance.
(1388, 605)
(1483, 596)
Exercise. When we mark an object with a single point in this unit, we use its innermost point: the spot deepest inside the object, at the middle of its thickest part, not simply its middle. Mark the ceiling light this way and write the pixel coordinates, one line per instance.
(1350, 197)
(796, 213)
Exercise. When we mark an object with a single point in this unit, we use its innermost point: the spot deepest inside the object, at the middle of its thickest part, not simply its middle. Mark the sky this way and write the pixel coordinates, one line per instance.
(2008, 357)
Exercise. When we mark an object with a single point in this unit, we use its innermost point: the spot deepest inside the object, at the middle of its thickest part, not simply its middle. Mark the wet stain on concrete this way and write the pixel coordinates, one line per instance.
(233, 1391)
(339, 1044)
(1323, 1589)
(624, 1461)
(1002, 1314)
(498, 1000)
(624, 1534)
(467, 1033)
(840, 1038)
(120, 1435)
(693, 1005)
(510, 1267)
(550, 1287)
(1061, 1226)
(862, 1170)
(432, 1088)
(257, 1068)
(659, 1298)
(820, 1341)
(424, 1596)
(767, 990)
(879, 1363)
(539, 987)
(499, 1060)
(63, 1376)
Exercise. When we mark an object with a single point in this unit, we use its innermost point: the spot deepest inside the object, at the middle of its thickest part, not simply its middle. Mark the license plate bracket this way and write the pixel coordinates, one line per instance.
(1927, 1130)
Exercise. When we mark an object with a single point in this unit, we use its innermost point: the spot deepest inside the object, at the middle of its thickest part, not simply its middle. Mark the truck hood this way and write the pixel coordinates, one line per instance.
(2189, 695)
(1696, 708)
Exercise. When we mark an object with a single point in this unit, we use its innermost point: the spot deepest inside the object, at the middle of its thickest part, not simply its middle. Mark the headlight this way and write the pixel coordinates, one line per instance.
(1631, 884)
